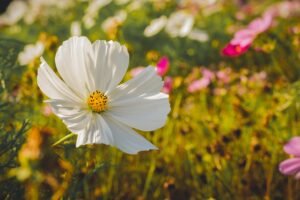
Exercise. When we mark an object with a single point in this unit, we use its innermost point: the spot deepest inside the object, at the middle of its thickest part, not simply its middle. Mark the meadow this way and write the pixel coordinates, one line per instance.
(231, 69)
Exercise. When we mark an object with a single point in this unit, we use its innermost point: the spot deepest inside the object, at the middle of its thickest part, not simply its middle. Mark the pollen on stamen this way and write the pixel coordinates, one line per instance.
(97, 101)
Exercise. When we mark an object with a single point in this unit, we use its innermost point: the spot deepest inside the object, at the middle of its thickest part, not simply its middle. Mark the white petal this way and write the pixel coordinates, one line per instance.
(144, 113)
(75, 64)
(138, 103)
(74, 115)
(96, 132)
(105, 130)
(148, 79)
(186, 27)
(53, 86)
(112, 61)
(126, 139)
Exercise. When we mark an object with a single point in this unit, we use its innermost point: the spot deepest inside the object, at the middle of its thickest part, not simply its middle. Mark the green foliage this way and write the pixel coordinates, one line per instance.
(12, 128)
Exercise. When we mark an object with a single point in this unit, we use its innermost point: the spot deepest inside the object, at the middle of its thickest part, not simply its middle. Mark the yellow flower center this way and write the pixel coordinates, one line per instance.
(97, 101)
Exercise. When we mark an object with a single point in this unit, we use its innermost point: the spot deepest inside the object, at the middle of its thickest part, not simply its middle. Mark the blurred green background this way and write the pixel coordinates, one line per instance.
(222, 140)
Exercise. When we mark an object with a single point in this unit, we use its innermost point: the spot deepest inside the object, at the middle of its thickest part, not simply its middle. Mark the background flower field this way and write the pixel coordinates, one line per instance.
(233, 106)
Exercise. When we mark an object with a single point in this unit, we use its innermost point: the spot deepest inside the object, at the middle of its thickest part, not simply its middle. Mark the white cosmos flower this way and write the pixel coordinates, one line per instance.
(38, 9)
(199, 35)
(15, 11)
(30, 53)
(92, 11)
(155, 26)
(180, 24)
(75, 28)
(112, 22)
(91, 103)
(198, 3)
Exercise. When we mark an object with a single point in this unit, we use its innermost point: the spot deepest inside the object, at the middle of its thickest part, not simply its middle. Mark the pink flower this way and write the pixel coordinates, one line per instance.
(198, 85)
(234, 50)
(291, 166)
(208, 74)
(284, 9)
(163, 66)
(260, 25)
(258, 77)
(46, 110)
(168, 85)
(243, 39)
(224, 75)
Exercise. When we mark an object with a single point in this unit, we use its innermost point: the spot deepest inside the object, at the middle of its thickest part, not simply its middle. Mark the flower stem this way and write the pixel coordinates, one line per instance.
(63, 139)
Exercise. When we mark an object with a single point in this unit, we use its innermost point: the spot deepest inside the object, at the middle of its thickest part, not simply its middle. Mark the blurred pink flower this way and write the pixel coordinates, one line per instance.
(208, 73)
(241, 89)
(163, 66)
(46, 110)
(135, 71)
(234, 50)
(198, 85)
(243, 39)
(258, 77)
(291, 166)
(260, 25)
(168, 85)
(224, 75)
(284, 9)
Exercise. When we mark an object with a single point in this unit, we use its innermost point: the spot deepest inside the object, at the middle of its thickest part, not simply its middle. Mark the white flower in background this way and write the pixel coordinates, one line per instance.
(114, 21)
(90, 102)
(201, 3)
(30, 53)
(75, 29)
(14, 12)
(41, 8)
(199, 35)
(155, 26)
(92, 11)
(135, 5)
(180, 24)
(62, 4)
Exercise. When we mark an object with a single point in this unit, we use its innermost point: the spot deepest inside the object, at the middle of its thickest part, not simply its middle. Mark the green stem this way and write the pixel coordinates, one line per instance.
(63, 139)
